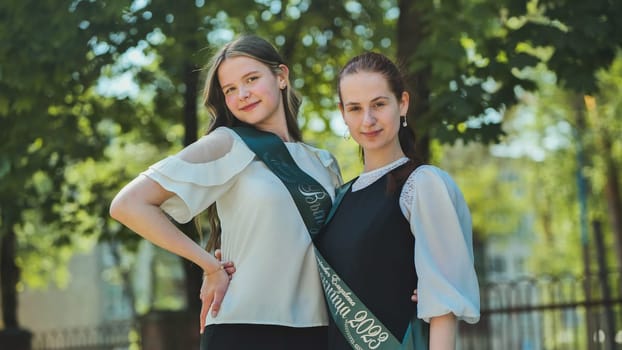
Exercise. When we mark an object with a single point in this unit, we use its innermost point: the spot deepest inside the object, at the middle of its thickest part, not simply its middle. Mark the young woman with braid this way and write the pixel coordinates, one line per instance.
(400, 225)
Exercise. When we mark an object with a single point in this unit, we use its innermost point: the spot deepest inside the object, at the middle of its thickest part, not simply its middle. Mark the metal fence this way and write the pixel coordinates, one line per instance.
(544, 313)
(549, 313)
(120, 335)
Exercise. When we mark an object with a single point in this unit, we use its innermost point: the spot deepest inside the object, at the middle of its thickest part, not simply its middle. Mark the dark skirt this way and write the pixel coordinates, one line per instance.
(262, 337)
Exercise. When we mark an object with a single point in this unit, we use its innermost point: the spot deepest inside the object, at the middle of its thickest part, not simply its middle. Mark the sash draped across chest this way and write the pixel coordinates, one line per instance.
(355, 320)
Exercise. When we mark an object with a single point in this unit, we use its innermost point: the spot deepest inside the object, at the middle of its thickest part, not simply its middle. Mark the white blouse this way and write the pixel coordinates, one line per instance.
(276, 280)
(441, 223)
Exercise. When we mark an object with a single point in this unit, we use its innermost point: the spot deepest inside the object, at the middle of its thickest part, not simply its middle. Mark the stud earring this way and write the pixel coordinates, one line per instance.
(404, 121)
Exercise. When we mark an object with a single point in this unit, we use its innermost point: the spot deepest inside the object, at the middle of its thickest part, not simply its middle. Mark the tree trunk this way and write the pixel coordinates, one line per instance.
(193, 276)
(612, 185)
(9, 276)
(11, 337)
(582, 198)
(191, 80)
(410, 33)
(126, 279)
(192, 272)
(614, 202)
(605, 288)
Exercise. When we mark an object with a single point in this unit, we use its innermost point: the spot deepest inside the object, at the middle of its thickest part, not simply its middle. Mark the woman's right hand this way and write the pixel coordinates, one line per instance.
(213, 290)
(227, 265)
(214, 287)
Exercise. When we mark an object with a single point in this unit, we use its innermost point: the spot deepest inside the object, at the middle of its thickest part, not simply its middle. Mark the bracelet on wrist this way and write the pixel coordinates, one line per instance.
(207, 274)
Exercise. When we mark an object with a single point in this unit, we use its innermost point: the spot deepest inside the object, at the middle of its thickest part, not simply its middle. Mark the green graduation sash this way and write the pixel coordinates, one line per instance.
(356, 322)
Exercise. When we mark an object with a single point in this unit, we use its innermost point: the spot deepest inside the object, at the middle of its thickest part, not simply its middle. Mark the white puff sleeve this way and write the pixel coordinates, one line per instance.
(441, 223)
(200, 173)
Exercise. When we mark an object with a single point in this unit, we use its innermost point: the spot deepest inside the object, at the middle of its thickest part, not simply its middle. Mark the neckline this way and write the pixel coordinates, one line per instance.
(365, 179)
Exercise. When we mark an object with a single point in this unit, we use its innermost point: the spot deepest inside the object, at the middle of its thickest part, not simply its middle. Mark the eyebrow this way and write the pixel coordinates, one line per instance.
(372, 101)
(244, 76)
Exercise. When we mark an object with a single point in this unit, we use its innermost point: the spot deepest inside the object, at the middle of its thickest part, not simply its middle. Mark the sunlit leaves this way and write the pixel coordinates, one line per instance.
(67, 149)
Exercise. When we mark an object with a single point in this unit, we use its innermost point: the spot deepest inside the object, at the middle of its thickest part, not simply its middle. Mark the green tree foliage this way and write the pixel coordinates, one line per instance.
(49, 117)
(585, 36)
(605, 125)
(563, 240)
(494, 189)
(490, 56)
(462, 59)
(69, 147)
(540, 149)
(543, 125)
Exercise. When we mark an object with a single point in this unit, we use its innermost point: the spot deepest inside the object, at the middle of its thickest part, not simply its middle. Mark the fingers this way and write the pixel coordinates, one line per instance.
(204, 309)
(414, 297)
(227, 265)
(205, 303)
(229, 268)
(212, 294)
(203, 291)
(220, 288)
(202, 321)
(216, 305)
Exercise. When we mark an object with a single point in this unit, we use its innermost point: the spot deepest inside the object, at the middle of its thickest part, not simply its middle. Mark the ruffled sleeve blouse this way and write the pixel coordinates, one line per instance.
(441, 224)
(276, 280)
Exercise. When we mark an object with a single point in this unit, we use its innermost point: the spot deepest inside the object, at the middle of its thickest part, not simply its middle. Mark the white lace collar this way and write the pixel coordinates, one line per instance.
(368, 178)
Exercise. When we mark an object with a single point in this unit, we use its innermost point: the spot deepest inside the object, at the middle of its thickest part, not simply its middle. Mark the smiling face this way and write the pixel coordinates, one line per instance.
(372, 112)
(253, 92)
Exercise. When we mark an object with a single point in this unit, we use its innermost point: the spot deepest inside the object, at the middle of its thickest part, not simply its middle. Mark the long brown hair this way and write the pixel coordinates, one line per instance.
(259, 49)
(373, 62)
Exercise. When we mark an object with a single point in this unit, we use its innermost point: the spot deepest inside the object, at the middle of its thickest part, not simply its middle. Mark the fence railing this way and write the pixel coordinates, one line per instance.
(119, 335)
(549, 313)
(543, 313)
